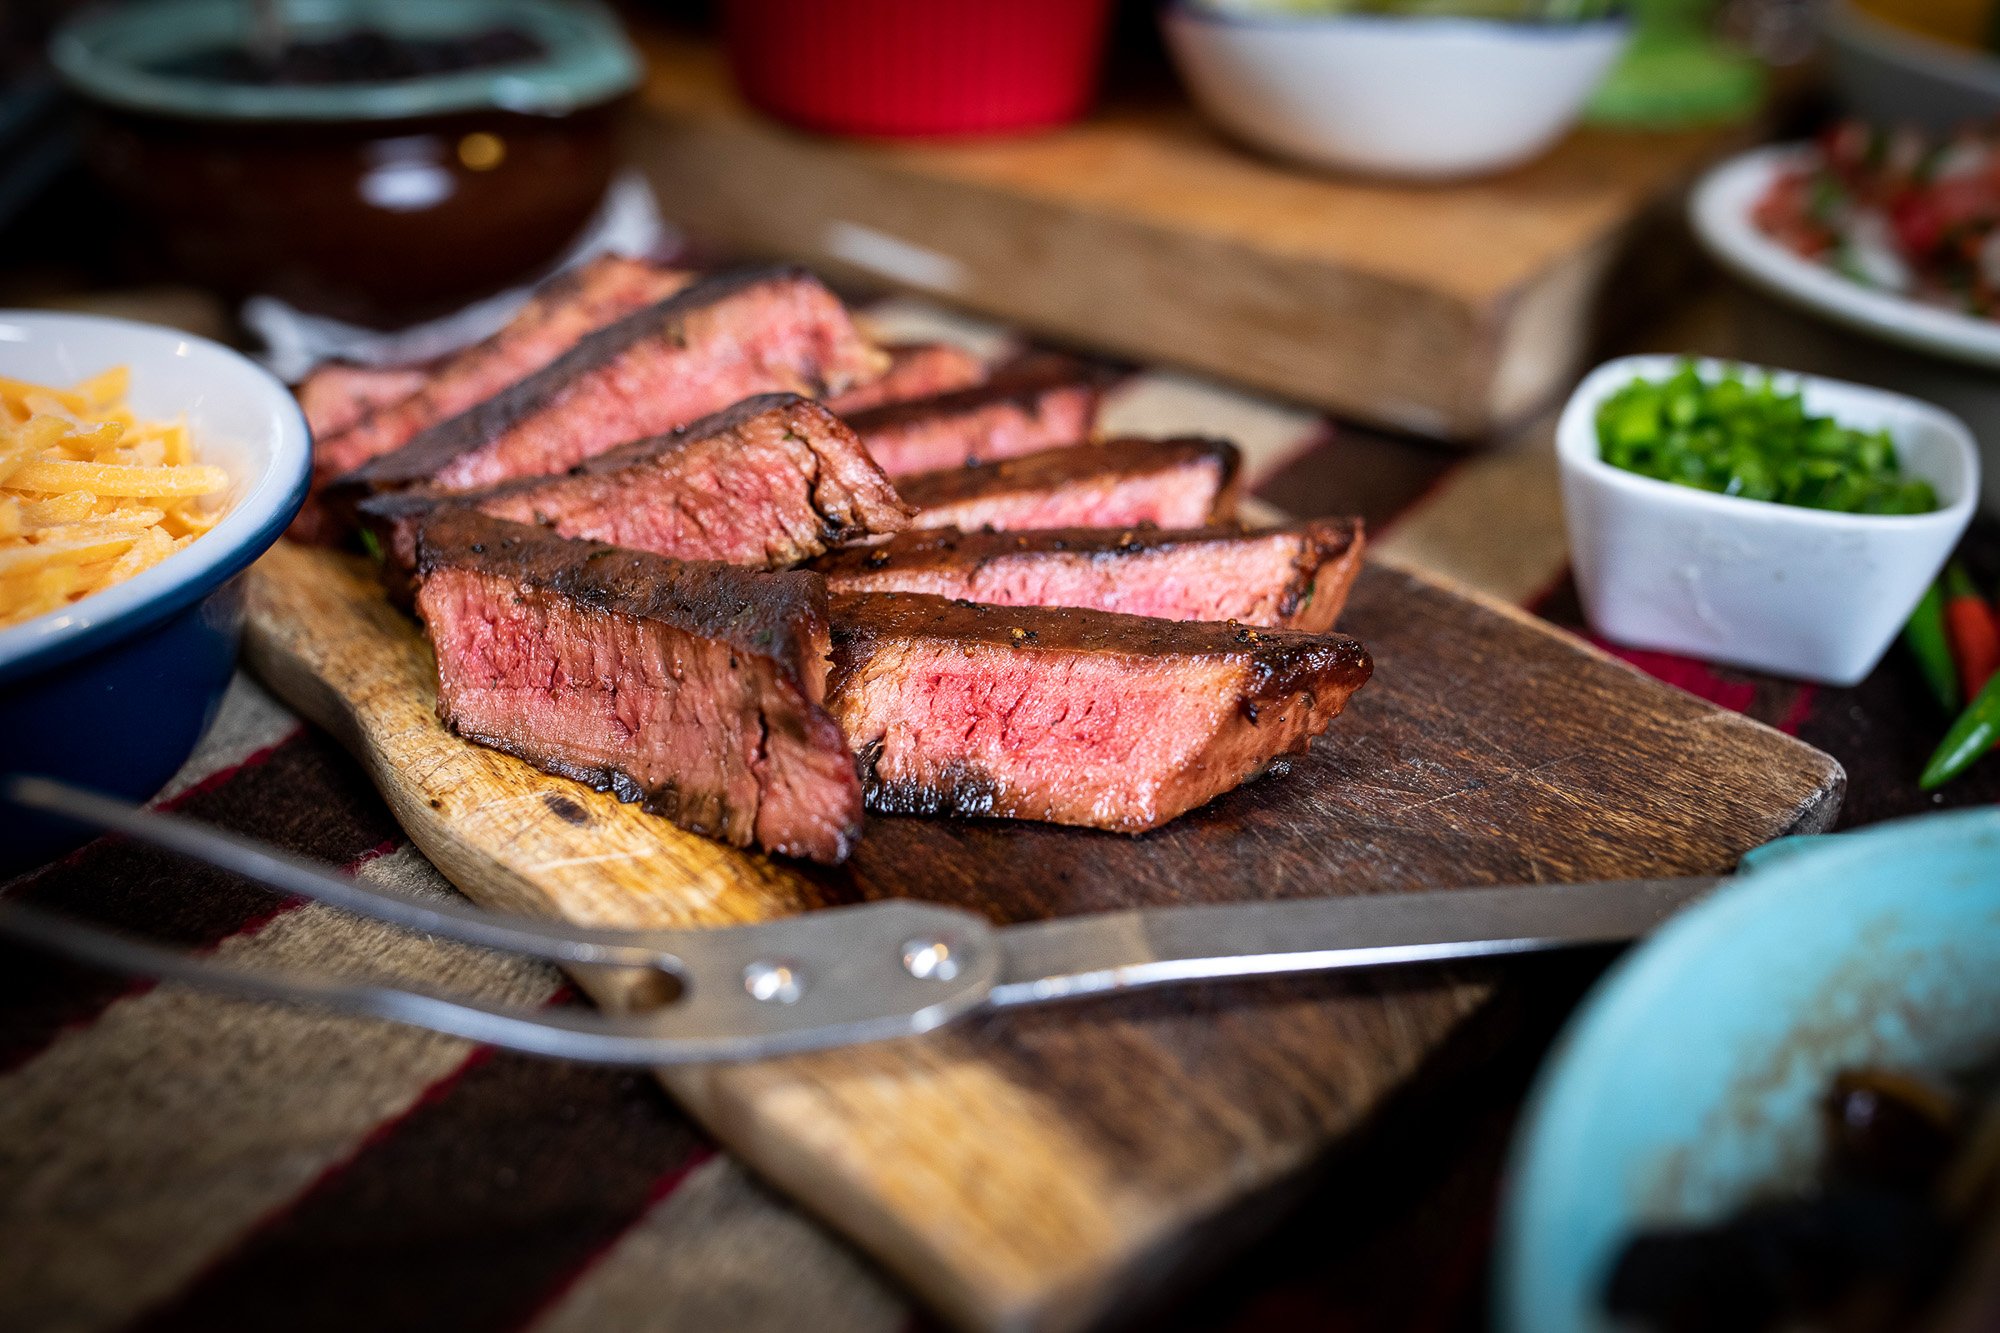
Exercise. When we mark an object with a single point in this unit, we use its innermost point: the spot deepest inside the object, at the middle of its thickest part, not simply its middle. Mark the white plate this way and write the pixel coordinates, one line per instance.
(1721, 214)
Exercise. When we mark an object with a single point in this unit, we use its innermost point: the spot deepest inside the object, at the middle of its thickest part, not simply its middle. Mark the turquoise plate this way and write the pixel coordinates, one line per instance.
(1686, 1083)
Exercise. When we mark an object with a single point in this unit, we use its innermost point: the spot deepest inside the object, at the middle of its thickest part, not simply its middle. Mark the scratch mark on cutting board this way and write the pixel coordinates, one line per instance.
(1515, 775)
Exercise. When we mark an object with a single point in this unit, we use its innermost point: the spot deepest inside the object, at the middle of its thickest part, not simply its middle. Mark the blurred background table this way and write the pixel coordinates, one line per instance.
(1449, 310)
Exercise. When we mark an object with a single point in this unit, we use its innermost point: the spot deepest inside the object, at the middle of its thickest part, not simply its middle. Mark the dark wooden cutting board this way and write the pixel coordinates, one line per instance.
(1030, 1170)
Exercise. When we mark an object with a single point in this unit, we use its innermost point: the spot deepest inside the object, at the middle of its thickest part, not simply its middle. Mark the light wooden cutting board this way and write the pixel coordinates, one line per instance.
(1029, 1171)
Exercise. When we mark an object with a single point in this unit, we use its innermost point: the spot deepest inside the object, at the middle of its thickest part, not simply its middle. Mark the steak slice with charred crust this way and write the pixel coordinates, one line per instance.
(1067, 716)
(1183, 483)
(560, 313)
(1037, 403)
(337, 394)
(773, 481)
(1294, 577)
(720, 341)
(916, 370)
(692, 688)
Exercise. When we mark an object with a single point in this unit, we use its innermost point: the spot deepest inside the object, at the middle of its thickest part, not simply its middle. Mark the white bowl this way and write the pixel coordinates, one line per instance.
(114, 691)
(1428, 98)
(1800, 592)
(239, 417)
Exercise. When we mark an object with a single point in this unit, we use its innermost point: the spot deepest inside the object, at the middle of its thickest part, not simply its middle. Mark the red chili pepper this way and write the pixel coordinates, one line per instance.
(1975, 636)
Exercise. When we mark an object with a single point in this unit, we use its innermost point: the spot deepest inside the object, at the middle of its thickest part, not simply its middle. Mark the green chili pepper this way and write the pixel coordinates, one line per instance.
(1975, 732)
(1751, 440)
(1928, 643)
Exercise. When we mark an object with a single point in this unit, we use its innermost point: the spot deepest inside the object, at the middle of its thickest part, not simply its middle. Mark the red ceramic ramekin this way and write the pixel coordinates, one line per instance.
(918, 67)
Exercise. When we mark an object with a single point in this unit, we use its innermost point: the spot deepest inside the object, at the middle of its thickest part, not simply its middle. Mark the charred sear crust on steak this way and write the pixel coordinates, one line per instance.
(1180, 483)
(1071, 716)
(1039, 402)
(770, 482)
(916, 370)
(1293, 577)
(719, 341)
(690, 687)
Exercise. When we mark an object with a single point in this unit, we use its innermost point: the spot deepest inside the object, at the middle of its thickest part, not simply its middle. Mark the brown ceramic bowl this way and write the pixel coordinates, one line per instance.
(380, 201)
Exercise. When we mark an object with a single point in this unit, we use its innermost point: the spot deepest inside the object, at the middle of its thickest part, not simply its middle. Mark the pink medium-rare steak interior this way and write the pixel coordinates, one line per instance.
(714, 344)
(560, 314)
(690, 688)
(1040, 402)
(770, 482)
(916, 370)
(336, 395)
(1294, 577)
(1183, 483)
(1071, 716)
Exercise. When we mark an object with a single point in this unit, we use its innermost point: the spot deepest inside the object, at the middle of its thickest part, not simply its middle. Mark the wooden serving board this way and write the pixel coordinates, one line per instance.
(1451, 311)
(1027, 1170)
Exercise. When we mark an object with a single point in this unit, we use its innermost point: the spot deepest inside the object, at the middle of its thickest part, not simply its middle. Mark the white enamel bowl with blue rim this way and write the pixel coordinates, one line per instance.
(114, 691)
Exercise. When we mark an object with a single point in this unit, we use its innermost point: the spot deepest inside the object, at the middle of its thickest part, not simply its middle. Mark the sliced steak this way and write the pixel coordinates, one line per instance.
(1036, 403)
(1294, 577)
(1183, 483)
(559, 314)
(722, 340)
(692, 688)
(773, 481)
(1067, 716)
(336, 395)
(916, 370)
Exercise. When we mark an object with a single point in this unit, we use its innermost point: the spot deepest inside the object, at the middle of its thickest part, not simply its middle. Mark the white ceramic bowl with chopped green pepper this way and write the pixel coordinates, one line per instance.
(1804, 592)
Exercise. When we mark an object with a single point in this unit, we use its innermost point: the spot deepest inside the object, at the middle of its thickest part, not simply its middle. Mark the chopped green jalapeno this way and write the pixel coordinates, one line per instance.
(1753, 440)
